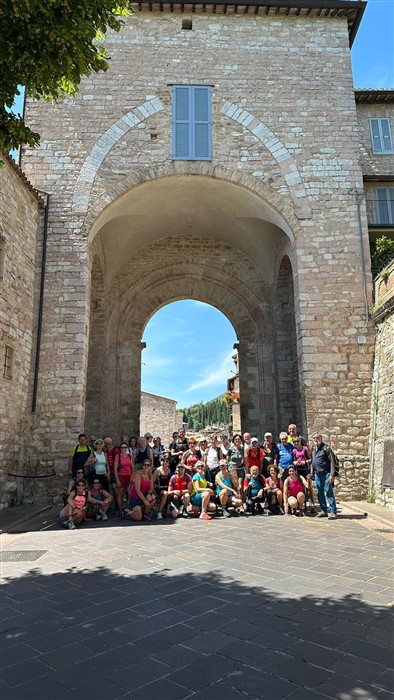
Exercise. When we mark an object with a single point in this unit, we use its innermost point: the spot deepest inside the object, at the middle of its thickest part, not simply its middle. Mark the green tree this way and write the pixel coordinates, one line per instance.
(47, 46)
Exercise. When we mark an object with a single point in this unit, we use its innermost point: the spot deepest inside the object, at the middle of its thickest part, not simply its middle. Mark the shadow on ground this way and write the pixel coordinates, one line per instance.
(168, 635)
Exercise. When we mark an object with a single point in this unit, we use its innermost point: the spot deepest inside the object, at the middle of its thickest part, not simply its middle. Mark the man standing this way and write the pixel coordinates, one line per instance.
(293, 433)
(81, 456)
(323, 465)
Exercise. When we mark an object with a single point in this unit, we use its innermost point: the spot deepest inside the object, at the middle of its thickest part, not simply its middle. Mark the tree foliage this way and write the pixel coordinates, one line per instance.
(382, 251)
(47, 46)
(201, 415)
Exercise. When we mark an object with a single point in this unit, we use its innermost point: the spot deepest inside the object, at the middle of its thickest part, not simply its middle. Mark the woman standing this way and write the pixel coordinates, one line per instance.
(158, 450)
(123, 470)
(191, 456)
(101, 466)
(235, 460)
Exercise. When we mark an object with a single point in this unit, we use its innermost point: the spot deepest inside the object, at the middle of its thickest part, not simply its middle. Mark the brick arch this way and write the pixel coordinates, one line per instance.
(280, 204)
(101, 148)
(279, 152)
(155, 290)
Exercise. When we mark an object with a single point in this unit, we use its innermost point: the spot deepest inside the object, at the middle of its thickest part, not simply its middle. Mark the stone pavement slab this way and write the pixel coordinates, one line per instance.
(238, 609)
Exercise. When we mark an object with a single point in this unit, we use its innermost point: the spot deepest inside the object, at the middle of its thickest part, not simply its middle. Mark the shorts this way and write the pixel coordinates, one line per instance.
(124, 480)
(196, 499)
(241, 473)
(134, 502)
(103, 481)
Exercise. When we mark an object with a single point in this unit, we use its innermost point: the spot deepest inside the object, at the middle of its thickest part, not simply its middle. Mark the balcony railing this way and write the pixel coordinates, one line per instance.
(380, 212)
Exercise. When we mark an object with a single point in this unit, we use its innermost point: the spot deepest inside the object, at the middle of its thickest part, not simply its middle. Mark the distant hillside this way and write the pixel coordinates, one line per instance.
(200, 415)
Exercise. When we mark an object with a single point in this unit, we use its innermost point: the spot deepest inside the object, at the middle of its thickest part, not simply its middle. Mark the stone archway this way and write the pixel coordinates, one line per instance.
(186, 238)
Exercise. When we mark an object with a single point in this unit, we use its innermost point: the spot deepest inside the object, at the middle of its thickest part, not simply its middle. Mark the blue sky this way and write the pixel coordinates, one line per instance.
(188, 353)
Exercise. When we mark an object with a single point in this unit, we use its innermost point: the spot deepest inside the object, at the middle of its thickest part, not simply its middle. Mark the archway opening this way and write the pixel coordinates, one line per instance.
(177, 238)
(187, 360)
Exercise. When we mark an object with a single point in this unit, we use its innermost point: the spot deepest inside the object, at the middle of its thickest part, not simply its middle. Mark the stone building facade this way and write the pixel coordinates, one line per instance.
(20, 231)
(269, 226)
(382, 422)
(159, 416)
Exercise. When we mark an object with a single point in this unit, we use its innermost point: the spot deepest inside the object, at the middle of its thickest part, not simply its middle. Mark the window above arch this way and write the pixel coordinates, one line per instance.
(191, 125)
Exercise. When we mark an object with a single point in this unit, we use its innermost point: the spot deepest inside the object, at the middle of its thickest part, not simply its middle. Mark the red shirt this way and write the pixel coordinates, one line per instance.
(179, 483)
(254, 457)
(111, 454)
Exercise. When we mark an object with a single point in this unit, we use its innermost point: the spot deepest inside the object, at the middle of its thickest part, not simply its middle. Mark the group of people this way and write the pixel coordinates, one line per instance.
(141, 479)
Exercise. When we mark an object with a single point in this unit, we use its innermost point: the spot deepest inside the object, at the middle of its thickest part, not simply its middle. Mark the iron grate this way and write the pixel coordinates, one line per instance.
(22, 555)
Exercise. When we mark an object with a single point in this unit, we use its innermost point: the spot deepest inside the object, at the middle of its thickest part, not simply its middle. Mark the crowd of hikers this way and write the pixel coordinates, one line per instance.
(198, 477)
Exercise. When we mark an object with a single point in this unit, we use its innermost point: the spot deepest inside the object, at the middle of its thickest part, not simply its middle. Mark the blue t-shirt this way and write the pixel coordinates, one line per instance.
(255, 484)
(285, 455)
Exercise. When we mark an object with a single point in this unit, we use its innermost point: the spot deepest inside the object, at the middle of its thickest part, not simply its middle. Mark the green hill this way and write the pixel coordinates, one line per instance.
(201, 415)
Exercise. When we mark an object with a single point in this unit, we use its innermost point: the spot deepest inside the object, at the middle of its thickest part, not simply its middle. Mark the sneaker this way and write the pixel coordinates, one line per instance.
(322, 514)
(226, 514)
(332, 516)
(205, 516)
(159, 516)
(104, 516)
(98, 516)
(71, 525)
(313, 510)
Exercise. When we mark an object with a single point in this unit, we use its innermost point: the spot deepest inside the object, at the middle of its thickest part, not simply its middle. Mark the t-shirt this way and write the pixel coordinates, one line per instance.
(179, 483)
(236, 457)
(295, 487)
(212, 458)
(285, 455)
(80, 500)
(255, 483)
(254, 456)
(202, 483)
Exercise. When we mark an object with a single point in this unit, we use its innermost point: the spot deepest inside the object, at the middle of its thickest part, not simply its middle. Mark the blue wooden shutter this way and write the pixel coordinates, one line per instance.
(386, 136)
(191, 123)
(181, 122)
(202, 123)
(375, 136)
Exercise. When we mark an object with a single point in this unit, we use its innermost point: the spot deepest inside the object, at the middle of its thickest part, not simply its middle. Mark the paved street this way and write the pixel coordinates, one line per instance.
(244, 608)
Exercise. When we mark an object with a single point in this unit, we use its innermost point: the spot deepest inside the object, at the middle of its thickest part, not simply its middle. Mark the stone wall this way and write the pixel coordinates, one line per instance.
(159, 416)
(383, 385)
(20, 227)
(372, 163)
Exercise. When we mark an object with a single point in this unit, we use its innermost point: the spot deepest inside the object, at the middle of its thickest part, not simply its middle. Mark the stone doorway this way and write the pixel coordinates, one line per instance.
(192, 237)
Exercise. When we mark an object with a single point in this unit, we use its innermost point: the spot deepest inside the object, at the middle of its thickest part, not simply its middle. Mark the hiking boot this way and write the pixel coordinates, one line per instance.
(332, 516)
(205, 516)
(322, 514)
(71, 525)
(104, 516)
(98, 516)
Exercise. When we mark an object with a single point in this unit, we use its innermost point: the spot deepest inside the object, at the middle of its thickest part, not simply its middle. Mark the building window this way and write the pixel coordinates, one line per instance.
(8, 361)
(384, 203)
(191, 130)
(381, 135)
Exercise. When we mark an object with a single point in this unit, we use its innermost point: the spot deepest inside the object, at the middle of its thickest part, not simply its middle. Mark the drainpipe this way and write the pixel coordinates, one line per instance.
(359, 200)
(40, 303)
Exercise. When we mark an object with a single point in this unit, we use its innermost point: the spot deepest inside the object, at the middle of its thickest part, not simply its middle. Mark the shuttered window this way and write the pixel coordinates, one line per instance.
(384, 203)
(381, 135)
(191, 131)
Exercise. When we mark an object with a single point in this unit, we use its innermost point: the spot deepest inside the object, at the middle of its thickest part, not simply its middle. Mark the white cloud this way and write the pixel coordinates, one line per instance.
(215, 377)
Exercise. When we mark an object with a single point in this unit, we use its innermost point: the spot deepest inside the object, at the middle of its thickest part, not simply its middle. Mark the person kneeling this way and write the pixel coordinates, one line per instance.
(142, 494)
(227, 488)
(202, 492)
(294, 492)
(101, 499)
(77, 506)
(179, 491)
(254, 491)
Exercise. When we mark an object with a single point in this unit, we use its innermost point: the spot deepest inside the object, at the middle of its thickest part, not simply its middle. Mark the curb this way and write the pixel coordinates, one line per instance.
(371, 516)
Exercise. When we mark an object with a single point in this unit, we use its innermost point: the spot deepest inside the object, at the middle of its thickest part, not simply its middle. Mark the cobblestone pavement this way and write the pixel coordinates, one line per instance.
(237, 609)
